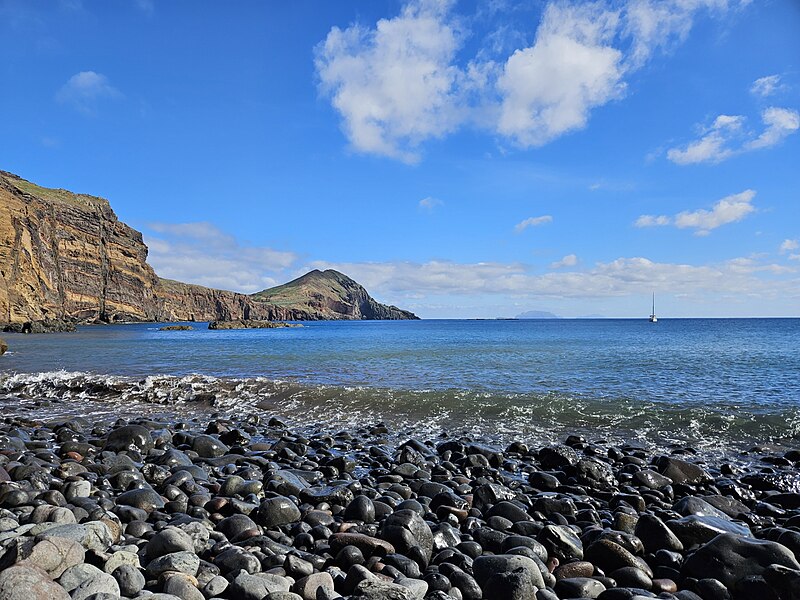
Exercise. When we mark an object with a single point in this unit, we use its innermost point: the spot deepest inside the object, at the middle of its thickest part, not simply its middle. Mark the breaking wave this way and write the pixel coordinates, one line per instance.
(499, 417)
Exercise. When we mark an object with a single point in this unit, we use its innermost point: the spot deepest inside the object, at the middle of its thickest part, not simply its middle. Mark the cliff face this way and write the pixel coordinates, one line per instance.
(66, 257)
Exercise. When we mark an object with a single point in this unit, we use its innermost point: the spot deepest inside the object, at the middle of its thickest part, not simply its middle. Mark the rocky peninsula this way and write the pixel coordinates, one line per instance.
(66, 258)
(248, 509)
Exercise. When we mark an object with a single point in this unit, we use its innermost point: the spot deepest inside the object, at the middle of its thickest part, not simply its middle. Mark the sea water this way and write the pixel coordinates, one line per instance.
(709, 382)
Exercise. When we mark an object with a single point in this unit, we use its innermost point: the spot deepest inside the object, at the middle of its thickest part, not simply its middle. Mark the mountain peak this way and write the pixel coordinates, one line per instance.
(331, 295)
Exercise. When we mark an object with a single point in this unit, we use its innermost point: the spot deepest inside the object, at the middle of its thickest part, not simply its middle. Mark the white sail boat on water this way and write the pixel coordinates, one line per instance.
(653, 317)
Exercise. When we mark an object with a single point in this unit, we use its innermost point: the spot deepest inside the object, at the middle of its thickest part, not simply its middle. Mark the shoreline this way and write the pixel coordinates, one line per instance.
(720, 433)
(243, 508)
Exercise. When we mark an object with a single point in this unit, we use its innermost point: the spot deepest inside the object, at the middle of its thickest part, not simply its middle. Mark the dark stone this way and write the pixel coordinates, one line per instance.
(579, 587)
(274, 512)
(405, 529)
(130, 437)
(731, 558)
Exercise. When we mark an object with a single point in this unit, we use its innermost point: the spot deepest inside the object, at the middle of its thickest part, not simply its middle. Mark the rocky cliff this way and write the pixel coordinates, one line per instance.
(65, 257)
(329, 295)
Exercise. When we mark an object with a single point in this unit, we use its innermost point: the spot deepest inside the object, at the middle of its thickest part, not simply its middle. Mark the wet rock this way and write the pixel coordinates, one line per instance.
(579, 587)
(655, 534)
(680, 471)
(130, 437)
(360, 509)
(730, 558)
(694, 529)
(561, 542)
(484, 567)
(405, 529)
(208, 446)
(274, 512)
(144, 499)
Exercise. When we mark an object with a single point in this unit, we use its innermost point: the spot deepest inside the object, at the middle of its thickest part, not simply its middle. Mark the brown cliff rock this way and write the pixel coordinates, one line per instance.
(66, 258)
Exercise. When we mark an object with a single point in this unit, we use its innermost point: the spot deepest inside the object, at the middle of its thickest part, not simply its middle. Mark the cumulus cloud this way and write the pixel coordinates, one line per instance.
(429, 203)
(201, 253)
(394, 84)
(713, 145)
(85, 90)
(653, 221)
(726, 137)
(620, 277)
(780, 123)
(549, 88)
(407, 79)
(730, 209)
(570, 260)
(532, 222)
(789, 245)
(766, 86)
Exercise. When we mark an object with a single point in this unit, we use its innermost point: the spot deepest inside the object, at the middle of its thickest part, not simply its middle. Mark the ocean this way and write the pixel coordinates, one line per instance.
(712, 383)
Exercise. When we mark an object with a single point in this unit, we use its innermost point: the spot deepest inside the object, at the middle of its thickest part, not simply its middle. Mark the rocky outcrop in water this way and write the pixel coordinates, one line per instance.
(250, 324)
(66, 258)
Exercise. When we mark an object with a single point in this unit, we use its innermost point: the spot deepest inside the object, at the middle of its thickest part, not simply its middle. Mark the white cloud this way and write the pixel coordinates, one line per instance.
(532, 222)
(726, 138)
(766, 86)
(84, 90)
(780, 122)
(203, 254)
(406, 79)
(549, 88)
(789, 245)
(622, 277)
(570, 260)
(429, 203)
(393, 85)
(713, 145)
(730, 209)
(652, 221)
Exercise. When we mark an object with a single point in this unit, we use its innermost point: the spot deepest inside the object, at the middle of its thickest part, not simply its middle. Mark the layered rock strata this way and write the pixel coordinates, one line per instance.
(67, 258)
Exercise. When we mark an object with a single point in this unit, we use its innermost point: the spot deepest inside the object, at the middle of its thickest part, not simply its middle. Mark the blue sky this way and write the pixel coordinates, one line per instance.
(461, 159)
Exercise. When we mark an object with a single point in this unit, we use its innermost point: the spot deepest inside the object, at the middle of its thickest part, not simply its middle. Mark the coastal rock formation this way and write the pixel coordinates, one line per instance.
(329, 295)
(250, 324)
(66, 258)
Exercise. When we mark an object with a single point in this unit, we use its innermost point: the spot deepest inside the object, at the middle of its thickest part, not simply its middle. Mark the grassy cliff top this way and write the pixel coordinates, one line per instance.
(325, 283)
(52, 194)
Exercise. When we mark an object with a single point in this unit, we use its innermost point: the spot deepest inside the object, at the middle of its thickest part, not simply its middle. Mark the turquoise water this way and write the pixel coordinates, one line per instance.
(701, 380)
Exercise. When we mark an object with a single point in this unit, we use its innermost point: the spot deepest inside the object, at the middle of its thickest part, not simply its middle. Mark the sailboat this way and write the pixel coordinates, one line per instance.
(653, 317)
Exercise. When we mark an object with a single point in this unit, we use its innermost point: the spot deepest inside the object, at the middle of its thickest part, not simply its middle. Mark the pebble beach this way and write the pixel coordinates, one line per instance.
(250, 509)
